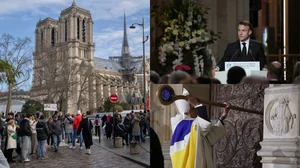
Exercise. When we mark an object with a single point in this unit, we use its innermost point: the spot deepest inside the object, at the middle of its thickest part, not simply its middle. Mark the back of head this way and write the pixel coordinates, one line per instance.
(42, 117)
(215, 81)
(296, 70)
(235, 75)
(164, 79)
(28, 115)
(254, 80)
(180, 77)
(154, 77)
(274, 70)
(297, 80)
(203, 80)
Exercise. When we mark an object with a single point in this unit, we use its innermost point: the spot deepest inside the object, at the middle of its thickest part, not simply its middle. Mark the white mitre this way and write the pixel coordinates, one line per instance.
(182, 107)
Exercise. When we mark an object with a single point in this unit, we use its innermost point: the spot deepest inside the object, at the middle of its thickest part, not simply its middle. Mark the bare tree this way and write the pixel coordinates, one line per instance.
(87, 76)
(18, 53)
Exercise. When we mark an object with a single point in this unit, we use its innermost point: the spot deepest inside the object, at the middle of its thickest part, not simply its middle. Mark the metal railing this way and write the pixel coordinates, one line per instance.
(288, 62)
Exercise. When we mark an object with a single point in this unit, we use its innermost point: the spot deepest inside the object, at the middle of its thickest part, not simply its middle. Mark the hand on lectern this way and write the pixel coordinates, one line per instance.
(213, 72)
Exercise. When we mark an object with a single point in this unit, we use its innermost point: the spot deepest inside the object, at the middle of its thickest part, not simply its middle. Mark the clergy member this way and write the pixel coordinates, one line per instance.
(194, 134)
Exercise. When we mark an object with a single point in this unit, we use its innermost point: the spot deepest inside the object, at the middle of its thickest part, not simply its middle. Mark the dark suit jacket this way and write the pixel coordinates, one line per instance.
(233, 53)
(201, 112)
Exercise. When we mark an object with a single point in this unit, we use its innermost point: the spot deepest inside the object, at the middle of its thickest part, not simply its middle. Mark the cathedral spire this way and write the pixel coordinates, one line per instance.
(125, 46)
(74, 3)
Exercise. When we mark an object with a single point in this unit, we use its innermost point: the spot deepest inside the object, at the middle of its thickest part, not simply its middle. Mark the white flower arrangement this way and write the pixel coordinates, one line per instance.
(185, 37)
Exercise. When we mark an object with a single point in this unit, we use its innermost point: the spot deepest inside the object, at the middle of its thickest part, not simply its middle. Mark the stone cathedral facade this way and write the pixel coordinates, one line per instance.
(66, 44)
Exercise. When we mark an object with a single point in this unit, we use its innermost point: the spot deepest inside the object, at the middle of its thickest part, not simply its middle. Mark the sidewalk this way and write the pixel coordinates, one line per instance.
(143, 158)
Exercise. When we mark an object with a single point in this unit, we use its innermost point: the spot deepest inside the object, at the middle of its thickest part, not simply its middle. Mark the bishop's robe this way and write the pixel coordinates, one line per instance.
(193, 139)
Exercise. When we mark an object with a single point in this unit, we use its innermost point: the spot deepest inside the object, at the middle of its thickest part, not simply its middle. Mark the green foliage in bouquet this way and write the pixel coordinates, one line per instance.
(185, 38)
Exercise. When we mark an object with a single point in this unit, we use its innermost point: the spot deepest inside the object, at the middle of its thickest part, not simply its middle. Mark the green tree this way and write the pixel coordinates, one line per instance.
(108, 105)
(125, 106)
(17, 54)
(32, 106)
(118, 107)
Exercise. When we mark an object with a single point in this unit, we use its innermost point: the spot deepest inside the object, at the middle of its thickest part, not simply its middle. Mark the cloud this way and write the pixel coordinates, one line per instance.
(101, 10)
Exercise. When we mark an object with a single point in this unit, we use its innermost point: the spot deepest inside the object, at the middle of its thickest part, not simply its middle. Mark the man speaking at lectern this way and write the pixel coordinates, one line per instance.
(243, 49)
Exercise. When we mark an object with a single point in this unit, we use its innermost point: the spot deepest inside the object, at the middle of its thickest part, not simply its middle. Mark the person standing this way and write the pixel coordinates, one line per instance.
(136, 130)
(56, 128)
(85, 127)
(75, 129)
(127, 123)
(42, 131)
(11, 140)
(25, 132)
(97, 125)
(69, 126)
(61, 118)
(108, 127)
(33, 122)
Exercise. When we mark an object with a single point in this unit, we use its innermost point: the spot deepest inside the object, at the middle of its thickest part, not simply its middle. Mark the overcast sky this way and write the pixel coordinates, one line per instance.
(19, 18)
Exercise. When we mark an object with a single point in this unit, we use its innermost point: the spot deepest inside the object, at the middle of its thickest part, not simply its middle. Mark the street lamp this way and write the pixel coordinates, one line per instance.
(144, 65)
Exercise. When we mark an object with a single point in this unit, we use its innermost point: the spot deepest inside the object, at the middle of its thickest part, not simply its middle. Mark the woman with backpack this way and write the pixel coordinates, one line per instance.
(68, 122)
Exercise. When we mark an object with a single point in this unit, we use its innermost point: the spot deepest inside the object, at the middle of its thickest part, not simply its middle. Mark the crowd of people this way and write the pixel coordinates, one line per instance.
(135, 127)
(235, 75)
(31, 135)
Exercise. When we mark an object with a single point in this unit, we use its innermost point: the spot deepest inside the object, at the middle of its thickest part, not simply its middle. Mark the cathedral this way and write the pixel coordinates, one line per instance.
(67, 73)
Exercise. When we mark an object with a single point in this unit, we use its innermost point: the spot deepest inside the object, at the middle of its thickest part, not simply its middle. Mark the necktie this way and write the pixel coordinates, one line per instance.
(244, 51)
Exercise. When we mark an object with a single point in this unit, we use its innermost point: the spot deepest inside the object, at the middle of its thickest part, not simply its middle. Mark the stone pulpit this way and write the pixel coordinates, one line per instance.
(280, 147)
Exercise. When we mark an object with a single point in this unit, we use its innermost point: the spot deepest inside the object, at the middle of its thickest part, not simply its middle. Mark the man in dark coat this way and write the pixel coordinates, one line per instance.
(56, 128)
(86, 127)
(25, 133)
(243, 49)
(42, 132)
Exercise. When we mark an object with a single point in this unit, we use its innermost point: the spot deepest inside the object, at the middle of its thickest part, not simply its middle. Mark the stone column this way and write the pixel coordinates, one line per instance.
(280, 146)
(106, 90)
(92, 93)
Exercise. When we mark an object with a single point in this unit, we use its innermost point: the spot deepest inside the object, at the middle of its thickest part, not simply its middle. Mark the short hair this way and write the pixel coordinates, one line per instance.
(28, 115)
(235, 75)
(177, 76)
(274, 70)
(42, 117)
(296, 70)
(12, 114)
(203, 80)
(246, 23)
(154, 77)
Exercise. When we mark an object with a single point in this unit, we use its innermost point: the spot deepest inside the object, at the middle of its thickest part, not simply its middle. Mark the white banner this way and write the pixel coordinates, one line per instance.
(247, 66)
(50, 107)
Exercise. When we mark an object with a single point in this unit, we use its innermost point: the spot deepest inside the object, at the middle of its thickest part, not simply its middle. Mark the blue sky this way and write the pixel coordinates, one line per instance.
(19, 18)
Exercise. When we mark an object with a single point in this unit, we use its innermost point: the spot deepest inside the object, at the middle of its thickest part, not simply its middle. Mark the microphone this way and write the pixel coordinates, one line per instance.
(234, 54)
(250, 52)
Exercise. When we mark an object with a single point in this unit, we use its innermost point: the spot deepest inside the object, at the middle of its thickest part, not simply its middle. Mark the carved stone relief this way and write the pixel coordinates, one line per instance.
(279, 118)
(238, 148)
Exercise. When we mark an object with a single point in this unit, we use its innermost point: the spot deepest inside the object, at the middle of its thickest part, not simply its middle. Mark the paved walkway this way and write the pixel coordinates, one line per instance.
(142, 158)
(104, 155)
